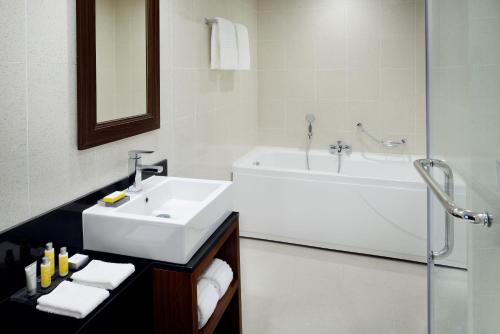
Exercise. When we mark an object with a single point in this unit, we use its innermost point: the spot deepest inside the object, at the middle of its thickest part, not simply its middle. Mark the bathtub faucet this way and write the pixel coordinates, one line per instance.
(340, 148)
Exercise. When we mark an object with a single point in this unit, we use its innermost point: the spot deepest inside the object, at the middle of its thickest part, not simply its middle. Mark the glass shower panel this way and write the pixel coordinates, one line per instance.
(463, 128)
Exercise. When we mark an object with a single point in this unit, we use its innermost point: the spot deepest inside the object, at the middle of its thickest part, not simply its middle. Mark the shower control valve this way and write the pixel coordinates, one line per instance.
(340, 148)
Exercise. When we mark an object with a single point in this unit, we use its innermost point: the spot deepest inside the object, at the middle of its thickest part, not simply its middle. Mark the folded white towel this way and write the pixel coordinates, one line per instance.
(243, 43)
(72, 300)
(218, 273)
(224, 50)
(207, 301)
(103, 274)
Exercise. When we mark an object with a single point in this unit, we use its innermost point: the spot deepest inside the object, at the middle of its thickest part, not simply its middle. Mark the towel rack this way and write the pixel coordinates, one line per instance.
(210, 20)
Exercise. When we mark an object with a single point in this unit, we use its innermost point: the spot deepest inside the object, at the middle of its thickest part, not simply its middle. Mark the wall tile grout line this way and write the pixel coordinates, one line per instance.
(26, 53)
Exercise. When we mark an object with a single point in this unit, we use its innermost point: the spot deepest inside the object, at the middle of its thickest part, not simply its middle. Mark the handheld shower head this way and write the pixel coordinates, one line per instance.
(310, 118)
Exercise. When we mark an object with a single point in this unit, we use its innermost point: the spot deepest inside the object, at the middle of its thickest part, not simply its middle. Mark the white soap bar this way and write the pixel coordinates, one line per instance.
(77, 261)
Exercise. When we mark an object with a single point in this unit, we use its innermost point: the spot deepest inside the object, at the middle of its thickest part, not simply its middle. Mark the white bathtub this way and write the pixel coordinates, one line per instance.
(376, 205)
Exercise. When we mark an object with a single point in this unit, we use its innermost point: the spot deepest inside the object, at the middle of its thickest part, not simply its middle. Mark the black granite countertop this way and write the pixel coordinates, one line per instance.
(127, 309)
(23, 318)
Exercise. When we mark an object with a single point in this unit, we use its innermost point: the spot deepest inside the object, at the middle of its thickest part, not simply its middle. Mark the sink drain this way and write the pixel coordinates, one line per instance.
(163, 215)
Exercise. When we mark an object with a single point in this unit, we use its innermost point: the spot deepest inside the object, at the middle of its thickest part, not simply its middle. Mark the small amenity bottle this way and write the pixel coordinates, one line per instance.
(63, 262)
(49, 252)
(45, 274)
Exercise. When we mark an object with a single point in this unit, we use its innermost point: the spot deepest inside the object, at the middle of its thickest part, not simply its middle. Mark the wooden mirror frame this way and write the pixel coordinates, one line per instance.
(91, 133)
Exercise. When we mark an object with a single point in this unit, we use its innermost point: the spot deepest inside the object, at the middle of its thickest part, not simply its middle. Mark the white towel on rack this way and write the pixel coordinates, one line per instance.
(220, 274)
(104, 275)
(224, 49)
(207, 301)
(243, 43)
(72, 300)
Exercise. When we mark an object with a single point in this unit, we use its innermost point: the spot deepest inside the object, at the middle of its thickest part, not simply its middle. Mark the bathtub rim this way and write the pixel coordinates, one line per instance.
(244, 165)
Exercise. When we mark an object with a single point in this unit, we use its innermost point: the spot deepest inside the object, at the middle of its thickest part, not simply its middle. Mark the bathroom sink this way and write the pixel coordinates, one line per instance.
(168, 220)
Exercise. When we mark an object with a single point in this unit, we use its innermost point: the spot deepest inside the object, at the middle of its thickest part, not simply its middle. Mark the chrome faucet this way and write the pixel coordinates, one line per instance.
(135, 168)
(340, 148)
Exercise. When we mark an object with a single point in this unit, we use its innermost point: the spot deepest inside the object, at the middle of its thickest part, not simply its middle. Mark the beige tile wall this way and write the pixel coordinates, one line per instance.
(211, 115)
(345, 61)
(208, 118)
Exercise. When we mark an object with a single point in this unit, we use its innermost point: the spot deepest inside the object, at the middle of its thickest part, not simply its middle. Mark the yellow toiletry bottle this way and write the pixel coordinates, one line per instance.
(63, 262)
(45, 275)
(49, 252)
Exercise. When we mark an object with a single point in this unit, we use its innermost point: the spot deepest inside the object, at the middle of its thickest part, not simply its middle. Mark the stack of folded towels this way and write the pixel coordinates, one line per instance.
(212, 285)
(103, 275)
(72, 300)
(89, 289)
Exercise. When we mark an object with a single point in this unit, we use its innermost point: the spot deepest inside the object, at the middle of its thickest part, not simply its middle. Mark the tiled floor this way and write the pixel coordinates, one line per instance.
(450, 301)
(291, 289)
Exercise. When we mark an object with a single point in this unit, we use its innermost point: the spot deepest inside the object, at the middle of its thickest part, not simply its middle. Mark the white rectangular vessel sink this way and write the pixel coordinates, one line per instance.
(168, 220)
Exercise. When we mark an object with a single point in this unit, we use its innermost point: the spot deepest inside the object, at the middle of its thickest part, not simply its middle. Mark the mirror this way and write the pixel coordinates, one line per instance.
(118, 69)
(120, 58)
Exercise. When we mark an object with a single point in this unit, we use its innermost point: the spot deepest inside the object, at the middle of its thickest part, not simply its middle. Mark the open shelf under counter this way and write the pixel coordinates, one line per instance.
(175, 289)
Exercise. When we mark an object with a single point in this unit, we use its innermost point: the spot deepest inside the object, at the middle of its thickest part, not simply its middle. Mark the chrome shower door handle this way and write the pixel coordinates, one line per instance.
(449, 232)
(446, 199)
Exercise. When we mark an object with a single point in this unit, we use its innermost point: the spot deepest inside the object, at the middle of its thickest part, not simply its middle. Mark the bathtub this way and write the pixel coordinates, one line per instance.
(376, 204)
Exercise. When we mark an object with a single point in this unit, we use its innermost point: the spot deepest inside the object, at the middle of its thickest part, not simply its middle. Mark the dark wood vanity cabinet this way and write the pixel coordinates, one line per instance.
(175, 291)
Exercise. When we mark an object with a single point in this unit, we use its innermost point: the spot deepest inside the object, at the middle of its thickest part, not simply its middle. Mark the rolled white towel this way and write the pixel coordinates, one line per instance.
(72, 300)
(207, 301)
(104, 275)
(220, 274)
